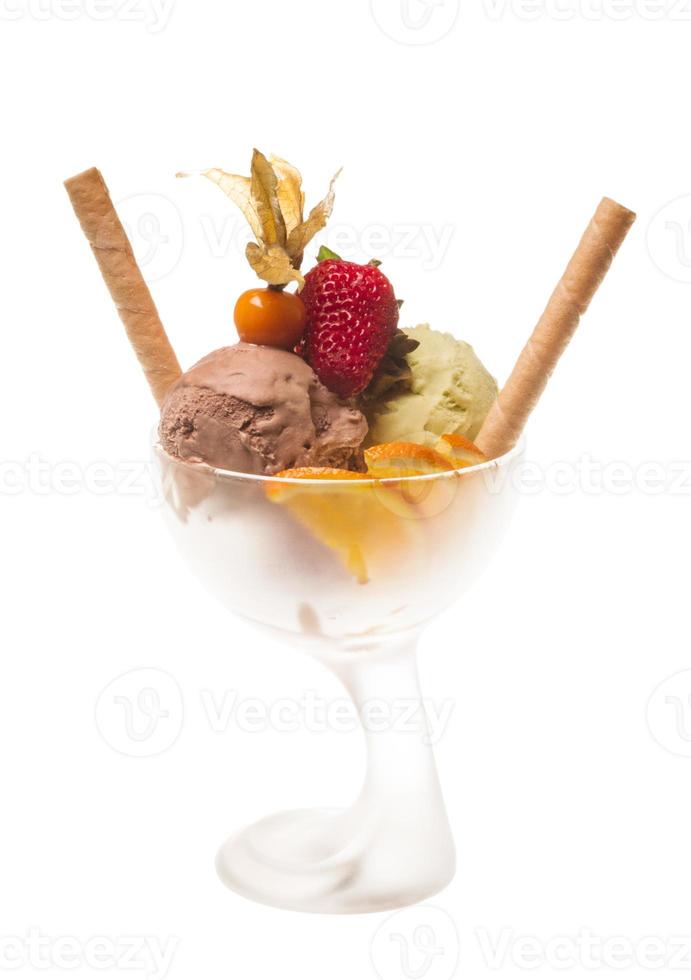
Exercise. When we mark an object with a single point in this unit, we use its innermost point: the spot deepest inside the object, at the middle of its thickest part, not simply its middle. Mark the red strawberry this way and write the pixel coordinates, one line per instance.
(352, 314)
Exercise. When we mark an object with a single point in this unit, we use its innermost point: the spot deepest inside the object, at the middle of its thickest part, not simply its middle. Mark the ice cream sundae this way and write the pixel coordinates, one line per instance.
(325, 475)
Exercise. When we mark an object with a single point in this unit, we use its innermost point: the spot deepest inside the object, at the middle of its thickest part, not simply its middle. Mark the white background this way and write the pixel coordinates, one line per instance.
(500, 133)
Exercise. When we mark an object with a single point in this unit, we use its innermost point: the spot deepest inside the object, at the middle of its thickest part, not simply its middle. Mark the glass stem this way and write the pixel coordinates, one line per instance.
(401, 786)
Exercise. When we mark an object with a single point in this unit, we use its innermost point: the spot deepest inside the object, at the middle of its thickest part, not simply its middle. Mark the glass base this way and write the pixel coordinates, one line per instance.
(338, 861)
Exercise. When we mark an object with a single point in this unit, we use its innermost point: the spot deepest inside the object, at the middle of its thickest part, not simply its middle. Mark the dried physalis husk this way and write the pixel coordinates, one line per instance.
(301, 236)
(238, 190)
(264, 191)
(290, 193)
(272, 264)
(273, 203)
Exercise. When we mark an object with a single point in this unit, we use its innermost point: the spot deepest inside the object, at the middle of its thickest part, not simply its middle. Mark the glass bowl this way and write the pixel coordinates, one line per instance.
(351, 571)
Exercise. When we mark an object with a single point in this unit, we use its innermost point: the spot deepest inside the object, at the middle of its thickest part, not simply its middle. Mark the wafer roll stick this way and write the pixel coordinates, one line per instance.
(111, 247)
(586, 270)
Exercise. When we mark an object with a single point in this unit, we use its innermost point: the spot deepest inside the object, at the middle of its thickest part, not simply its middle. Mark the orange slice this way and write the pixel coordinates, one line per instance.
(399, 460)
(314, 473)
(354, 519)
(459, 451)
(402, 459)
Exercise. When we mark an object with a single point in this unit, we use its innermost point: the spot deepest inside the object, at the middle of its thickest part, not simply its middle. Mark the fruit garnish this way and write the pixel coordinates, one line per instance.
(393, 376)
(272, 201)
(314, 473)
(270, 316)
(352, 316)
(459, 451)
(397, 460)
(367, 526)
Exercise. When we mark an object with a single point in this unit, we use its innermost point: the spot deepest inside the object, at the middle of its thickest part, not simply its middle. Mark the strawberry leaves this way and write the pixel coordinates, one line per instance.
(326, 255)
(393, 374)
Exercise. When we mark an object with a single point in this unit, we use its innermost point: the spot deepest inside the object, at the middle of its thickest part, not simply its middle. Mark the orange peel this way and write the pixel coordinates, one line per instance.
(459, 451)
(397, 460)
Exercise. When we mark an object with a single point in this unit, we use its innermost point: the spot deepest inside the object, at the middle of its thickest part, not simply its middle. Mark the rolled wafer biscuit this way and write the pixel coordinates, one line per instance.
(586, 270)
(111, 247)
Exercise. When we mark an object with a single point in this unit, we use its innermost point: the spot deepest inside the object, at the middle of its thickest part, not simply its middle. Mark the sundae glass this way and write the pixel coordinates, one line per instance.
(423, 540)
(339, 480)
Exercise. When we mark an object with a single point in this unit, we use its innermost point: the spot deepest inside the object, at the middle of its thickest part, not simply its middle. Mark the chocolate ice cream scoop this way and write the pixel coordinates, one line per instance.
(259, 410)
